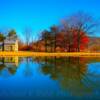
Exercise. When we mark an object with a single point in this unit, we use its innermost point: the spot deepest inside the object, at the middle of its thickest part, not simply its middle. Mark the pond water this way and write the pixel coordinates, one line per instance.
(49, 78)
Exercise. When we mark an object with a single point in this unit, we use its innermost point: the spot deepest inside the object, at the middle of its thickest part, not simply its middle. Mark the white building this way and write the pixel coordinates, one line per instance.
(9, 44)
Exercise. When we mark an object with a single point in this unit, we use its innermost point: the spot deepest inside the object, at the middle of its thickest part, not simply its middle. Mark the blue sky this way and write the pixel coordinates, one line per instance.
(41, 14)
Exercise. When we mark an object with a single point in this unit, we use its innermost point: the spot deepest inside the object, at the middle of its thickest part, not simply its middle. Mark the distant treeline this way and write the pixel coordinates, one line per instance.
(71, 35)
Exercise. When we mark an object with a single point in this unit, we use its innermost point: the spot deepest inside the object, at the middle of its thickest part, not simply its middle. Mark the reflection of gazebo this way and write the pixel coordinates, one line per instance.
(11, 61)
(8, 65)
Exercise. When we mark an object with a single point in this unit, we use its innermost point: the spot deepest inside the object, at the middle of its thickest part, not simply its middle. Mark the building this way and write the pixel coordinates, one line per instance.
(9, 44)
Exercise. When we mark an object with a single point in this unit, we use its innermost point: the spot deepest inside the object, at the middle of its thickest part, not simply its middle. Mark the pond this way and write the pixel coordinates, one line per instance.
(49, 78)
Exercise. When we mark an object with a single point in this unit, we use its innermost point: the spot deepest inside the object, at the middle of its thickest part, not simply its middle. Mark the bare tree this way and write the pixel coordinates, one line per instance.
(46, 37)
(82, 22)
(54, 32)
(28, 35)
(68, 35)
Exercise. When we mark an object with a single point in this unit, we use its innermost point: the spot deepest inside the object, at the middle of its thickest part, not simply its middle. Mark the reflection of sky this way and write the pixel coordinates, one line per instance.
(5, 73)
(29, 81)
(29, 85)
(94, 68)
(93, 76)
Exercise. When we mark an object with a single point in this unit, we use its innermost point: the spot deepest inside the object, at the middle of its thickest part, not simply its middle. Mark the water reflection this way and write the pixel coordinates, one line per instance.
(73, 73)
(74, 76)
(28, 67)
(8, 65)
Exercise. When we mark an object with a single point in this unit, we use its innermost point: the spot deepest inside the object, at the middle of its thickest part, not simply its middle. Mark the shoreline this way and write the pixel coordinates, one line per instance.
(29, 54)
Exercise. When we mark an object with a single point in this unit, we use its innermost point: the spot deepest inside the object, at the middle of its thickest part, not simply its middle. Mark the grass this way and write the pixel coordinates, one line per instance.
(28, 54)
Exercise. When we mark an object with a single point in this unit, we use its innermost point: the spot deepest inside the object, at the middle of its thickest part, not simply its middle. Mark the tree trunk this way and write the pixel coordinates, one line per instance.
(78, 40)
(3, 46)
(78, 49)
(69, 48)
(55, 44)
(45, 45)
(51, 45)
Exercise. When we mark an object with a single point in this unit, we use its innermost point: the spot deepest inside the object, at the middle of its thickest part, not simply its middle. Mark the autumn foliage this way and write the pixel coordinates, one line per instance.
(83, 41)
(72, 35)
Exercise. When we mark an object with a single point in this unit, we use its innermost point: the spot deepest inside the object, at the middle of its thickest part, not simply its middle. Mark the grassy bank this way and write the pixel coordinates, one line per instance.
(27, 54)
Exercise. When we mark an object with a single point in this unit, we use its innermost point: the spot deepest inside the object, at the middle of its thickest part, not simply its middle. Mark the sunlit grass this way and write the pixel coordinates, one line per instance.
(26, 53)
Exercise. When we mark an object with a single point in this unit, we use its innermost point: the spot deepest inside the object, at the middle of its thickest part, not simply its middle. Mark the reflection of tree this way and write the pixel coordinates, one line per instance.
(28, 70)
(70, 72)
(12, 70)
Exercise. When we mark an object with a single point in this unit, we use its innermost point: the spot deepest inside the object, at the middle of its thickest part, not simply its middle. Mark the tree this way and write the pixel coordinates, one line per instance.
(54, 31)
(21, 45)
(85, 24)
(46, 37)
(84, 40)
(60, 41)
(28, 35)
(2, 37)
(68, 35)
(82, 23)
(12, 32)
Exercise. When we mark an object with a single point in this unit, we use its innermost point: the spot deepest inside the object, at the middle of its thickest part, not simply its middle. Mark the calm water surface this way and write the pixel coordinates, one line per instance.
(49, 78)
